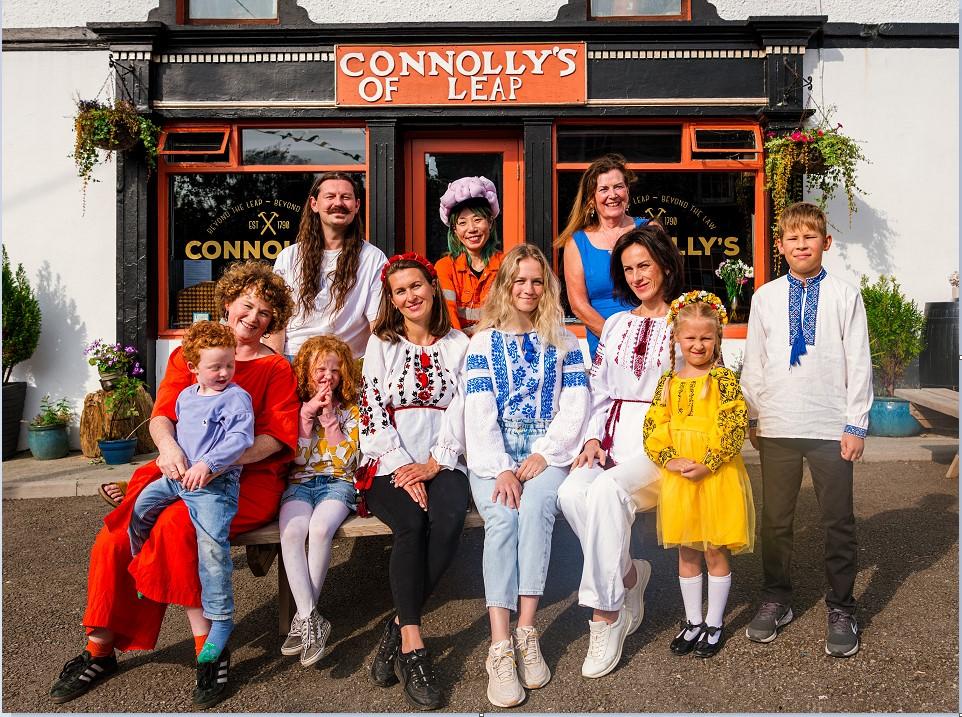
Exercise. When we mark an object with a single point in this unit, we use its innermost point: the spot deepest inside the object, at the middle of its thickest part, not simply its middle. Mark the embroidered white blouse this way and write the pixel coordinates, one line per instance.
(504, 382)
(830, 390)
(412, 404)
(633, 353)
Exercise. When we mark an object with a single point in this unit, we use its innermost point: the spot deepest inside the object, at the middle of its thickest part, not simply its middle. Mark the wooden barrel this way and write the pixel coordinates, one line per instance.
(939, 362)
(93, 423)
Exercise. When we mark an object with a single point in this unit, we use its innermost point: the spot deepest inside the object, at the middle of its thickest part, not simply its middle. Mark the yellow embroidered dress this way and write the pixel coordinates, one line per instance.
(716, 511)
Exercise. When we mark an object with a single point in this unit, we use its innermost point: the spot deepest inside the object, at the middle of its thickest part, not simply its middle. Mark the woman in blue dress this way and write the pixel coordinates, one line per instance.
(598, 217)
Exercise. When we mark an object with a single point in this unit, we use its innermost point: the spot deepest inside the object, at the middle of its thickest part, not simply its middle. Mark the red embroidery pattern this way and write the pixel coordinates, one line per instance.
(642, 337)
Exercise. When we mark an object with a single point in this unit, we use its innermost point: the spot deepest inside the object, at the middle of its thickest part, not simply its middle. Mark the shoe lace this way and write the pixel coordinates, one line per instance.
(421, 670)
(598, 641)
(840, 621)
(74, 666)
(297, 627)
(769, 609)
(504, 664)
(530, 649)
(390, 641)
(206, 674)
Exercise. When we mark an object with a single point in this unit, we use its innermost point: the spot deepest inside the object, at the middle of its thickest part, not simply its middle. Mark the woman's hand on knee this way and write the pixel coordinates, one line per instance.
(589, 454)
(507, 490)
(418, 493)
(416, 473)
(531, 467)
(172, 461)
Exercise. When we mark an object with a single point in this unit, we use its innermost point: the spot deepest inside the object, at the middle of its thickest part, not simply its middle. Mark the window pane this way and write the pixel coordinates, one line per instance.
(217, 219)
(710, 216)
(194, 141)
(637, 144)
(327, 145)
(725, 139)
(232, 9)
(634, 8)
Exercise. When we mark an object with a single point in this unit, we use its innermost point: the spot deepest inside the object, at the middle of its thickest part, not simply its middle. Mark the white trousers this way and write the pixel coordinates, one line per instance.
(600, 507)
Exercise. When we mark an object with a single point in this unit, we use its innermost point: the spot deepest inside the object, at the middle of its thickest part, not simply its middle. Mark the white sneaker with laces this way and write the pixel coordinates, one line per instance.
(605, 643)
(504, 688)
(635, 596)
(293, 644)
(532, 669)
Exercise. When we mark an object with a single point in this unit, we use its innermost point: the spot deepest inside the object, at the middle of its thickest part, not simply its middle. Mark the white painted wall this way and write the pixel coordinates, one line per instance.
(44, 13)
(69, 256)
(904, 105)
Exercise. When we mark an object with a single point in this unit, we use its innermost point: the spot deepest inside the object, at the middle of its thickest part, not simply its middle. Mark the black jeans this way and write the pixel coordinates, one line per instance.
(424, 542)
(781, 460)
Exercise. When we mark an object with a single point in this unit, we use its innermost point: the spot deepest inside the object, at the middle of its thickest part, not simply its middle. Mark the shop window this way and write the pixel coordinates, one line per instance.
(637, 144)
(304, 145)
(725, 143)
(210, 12)
(195, 145)
(640, 9)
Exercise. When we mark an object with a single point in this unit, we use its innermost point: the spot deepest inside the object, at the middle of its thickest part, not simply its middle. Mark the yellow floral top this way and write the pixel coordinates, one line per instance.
(315, 456)
(718, 410)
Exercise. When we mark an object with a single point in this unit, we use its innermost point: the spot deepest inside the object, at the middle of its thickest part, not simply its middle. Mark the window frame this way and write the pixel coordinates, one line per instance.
(165, 170)
(184, 18)
(693, 128)
(683, 16)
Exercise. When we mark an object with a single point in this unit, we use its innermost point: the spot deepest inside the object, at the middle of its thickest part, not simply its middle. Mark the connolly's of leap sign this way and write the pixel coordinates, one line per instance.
(529, 74)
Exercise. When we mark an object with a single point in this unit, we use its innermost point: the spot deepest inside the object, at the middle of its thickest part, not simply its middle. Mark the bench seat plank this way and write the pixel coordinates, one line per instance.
(943, 400)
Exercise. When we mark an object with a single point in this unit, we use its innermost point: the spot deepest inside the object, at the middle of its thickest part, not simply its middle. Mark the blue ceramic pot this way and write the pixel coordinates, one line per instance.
(891, 417)
(117, 452)
(48, 442)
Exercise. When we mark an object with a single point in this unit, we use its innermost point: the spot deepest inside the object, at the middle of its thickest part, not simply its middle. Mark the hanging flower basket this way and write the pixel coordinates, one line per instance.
(810, 161)
(122, 139)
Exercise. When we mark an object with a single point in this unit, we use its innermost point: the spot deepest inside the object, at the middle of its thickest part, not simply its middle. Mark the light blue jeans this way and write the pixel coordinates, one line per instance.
(211, 508)
(517, 542)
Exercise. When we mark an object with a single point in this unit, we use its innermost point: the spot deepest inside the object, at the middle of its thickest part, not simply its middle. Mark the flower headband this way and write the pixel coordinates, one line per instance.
(410, 256)
(695, 297)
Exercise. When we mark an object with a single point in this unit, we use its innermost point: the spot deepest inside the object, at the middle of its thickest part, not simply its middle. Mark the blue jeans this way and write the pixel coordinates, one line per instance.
(321, 488)
(517, 542)
(211, 508)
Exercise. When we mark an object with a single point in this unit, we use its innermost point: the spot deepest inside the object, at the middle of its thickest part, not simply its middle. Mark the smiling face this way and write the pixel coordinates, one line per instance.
(802, 246)
(335, 204)
(412, 294)
(249, 316)
(326, 369)
(697, 338)
(643, 274)
(527, 287)
(214, 368)
(472, 229)
(611, 195)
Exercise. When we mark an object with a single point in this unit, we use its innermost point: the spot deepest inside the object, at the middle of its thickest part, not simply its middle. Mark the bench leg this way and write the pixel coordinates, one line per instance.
(953, 471)
(285, 598)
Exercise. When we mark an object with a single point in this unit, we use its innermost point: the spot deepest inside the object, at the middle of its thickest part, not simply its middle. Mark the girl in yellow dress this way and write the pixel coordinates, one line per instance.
(694, 430)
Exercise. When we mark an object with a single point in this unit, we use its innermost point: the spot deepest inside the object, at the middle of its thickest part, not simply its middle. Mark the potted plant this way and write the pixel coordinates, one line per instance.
(735, 273)
(21, 332)
(47, 433)
(105, 127)
(113, 362)
(823, 153)
(895, 331)
(120, 404)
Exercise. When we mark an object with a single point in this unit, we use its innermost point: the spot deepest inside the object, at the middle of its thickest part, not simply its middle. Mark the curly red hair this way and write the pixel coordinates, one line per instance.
(347, 392)
(206, 335)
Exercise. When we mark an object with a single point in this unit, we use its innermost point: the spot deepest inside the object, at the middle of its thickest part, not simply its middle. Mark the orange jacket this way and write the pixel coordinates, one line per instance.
(464, 293)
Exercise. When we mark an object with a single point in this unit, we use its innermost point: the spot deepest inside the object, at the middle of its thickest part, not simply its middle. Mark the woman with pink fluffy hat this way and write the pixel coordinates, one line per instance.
(469, 208)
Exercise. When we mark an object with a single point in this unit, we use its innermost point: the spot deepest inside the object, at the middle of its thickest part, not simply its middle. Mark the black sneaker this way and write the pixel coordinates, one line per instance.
(382, 669)
(212, 681)
(80, 674)
(416, 673)
(769, 618)
(841, 637)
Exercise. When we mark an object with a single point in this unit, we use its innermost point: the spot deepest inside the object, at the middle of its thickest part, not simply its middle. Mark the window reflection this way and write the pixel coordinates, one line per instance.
(636, 8)
(232, 9)
(311, 145)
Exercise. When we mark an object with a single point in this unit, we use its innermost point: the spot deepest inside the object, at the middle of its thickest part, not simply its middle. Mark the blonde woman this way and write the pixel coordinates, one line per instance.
(526, 403)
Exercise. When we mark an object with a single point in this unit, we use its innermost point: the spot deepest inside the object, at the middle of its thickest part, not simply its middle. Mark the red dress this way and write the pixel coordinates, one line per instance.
(165, 571)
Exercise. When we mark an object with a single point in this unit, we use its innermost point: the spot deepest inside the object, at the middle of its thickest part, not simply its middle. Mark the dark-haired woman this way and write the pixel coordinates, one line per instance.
(333, 271)
(613, 477)
(412, 424)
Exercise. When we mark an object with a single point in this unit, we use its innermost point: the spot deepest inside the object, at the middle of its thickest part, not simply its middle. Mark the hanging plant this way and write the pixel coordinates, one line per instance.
(103, 127)
(823, 154)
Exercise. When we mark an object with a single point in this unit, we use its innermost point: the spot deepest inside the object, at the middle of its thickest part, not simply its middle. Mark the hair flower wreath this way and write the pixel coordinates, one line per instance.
(410, 256)
(694, 297)
(467, 188)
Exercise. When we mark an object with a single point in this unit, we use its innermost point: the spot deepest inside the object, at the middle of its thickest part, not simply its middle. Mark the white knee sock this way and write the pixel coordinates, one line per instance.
(691, 595)
(718, 587)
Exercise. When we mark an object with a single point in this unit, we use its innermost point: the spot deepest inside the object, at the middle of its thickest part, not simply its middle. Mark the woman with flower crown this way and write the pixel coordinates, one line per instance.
(612, 478)
(412, 427)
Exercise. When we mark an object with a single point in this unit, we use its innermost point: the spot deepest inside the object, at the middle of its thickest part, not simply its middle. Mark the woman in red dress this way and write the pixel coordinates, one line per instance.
(127, 597)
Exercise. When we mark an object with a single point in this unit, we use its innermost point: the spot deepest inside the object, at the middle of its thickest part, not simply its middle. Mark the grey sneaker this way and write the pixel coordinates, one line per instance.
(292, 645)
(769, 618)
(841, 637)
(314, 633)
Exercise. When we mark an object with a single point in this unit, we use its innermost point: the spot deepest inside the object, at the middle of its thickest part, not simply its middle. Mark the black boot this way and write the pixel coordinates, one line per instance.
(416, 673)
(382, 669)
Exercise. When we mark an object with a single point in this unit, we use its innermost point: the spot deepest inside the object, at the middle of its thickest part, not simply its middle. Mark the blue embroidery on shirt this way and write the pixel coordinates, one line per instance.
(547, 385)
(856, 431)
(574, 378)
(477, 361)
(574, 358)
(808, 320)
(479, 385)
(500, 369)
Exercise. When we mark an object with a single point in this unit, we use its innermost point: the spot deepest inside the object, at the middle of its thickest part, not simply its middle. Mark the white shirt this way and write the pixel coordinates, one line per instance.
(633, 353)
(353, 323)
(830, 391)
(422, 387)
(548, 385)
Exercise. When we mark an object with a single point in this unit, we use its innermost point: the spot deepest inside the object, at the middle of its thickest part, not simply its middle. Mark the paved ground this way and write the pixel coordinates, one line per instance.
(907, 585)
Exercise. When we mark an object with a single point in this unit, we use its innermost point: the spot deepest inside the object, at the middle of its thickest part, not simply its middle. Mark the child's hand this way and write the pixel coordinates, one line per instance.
(852, 447)
(695, 471)
(753, 437)
(507, 490)
(197, 476)
(531, 467)
(321, 399)
(677, 465)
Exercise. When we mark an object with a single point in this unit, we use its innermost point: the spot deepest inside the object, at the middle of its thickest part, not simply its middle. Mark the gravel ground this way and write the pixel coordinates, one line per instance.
(907, 588)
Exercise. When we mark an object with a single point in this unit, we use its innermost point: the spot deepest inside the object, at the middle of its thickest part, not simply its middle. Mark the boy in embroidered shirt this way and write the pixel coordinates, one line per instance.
(215, 425)
(807, 379)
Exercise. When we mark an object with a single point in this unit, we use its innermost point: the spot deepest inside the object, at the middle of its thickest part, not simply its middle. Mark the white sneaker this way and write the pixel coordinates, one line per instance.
(604, 645)
(314, 633)
(292, 645)
(532, 669)
(635, 597)
(504, 689)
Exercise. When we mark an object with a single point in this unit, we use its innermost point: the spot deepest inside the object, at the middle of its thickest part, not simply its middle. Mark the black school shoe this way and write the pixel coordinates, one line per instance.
(80, 674)
(416, 673)
(681, 646)
(706, 649)
(211, 685)
(382, 669)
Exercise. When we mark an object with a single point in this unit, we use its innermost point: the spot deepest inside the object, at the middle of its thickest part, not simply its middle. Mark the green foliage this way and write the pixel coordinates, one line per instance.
(53, 414)
(121, 405)
(895, 330)
(21, 317)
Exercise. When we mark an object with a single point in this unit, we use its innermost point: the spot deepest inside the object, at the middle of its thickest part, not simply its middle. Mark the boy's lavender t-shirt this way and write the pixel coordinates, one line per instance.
(215, 429)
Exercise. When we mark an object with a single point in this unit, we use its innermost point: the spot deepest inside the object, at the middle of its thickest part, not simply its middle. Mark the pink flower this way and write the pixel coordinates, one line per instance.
(769, 135)
(797, 136)
(820, 133)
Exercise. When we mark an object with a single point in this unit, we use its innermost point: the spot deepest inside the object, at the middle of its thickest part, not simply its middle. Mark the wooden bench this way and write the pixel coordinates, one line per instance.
(941, 400)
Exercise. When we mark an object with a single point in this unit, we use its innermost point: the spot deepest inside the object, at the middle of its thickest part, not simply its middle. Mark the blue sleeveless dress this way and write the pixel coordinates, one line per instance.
(597, 267)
